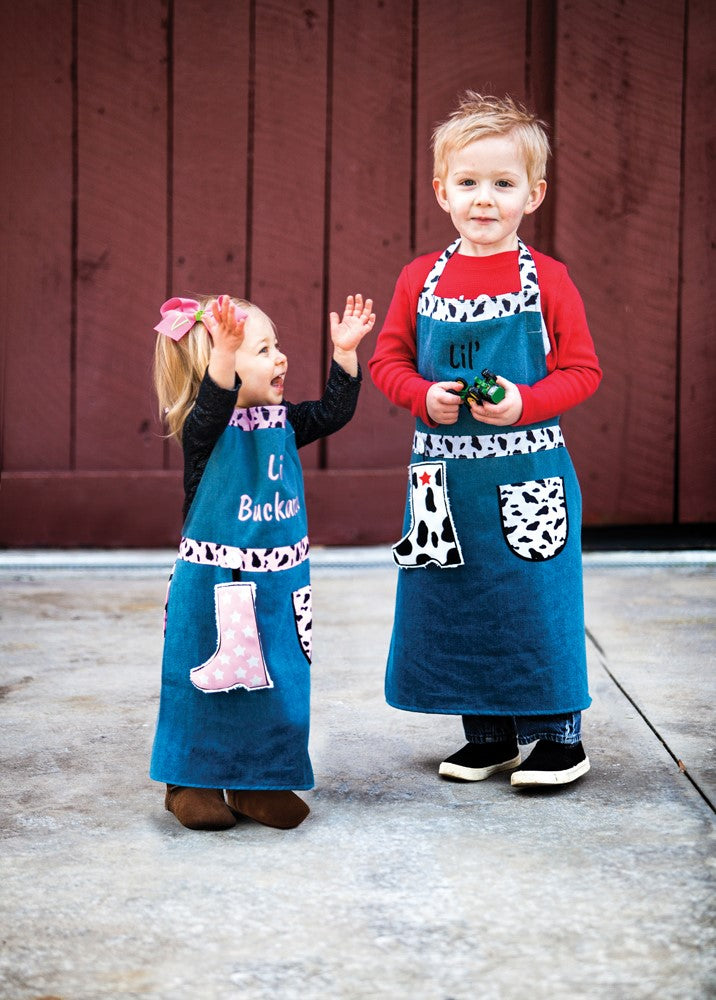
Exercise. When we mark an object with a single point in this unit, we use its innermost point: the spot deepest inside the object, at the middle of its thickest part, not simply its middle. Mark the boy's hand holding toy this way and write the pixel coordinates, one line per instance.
(501, 414)
(491, 398)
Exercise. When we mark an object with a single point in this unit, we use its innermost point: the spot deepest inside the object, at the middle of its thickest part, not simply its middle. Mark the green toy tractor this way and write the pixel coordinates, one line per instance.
(483, 389)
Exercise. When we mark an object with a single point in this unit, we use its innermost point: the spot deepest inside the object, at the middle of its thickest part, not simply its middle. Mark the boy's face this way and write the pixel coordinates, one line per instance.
(486, 192)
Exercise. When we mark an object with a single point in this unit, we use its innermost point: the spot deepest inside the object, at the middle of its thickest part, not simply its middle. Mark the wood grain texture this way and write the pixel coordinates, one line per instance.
(36, 245)
(121, 229)
(210, 151)
(210, 122)
(300, 170)
(111, 509)
(697, 398)
(537, 229)
(370, 204)
(142, 509)
(288, 217)
(616, 225)
(461, 45)
(355, 506)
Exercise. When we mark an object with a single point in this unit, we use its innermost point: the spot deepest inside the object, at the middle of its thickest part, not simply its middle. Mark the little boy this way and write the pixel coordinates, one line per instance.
(489, 619)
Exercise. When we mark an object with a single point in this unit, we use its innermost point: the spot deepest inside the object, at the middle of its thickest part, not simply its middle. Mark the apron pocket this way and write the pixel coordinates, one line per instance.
(238, 661)
(534, 517)
(303, 618)
(431, 537)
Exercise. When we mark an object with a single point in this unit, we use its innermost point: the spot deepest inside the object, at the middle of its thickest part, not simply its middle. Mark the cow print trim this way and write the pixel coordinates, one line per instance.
(250, 560)
(258, 418)
(484, 307)
(166, 601)
(534, 517)
(303, 617)
(487, 445)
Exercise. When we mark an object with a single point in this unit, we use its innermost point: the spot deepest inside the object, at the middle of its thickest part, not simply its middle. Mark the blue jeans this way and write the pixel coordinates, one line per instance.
(524, 728)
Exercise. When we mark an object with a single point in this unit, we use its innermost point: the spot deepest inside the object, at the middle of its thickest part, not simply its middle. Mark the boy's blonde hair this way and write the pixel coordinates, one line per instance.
(478, 116)
(179, 367)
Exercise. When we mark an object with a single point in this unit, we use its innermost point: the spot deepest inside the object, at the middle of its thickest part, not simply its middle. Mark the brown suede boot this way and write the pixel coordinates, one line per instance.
(281, 809)
(199, 808)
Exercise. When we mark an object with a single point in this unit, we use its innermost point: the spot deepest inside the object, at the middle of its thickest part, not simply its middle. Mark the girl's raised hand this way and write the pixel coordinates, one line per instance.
(225, 322)
(358, 320)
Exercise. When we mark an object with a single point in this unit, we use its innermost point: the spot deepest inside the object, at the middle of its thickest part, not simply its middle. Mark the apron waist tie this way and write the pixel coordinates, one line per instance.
(522, 442)
(250, 560)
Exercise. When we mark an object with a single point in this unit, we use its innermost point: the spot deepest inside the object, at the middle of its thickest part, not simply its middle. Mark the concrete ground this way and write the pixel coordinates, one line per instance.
(399, 884)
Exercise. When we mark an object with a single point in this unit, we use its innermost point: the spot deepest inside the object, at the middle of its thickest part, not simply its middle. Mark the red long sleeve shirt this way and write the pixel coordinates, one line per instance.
(572, 365)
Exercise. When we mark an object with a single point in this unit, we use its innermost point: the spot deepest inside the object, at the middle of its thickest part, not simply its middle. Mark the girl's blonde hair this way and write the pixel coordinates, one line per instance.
(179, 367)
(478, 116)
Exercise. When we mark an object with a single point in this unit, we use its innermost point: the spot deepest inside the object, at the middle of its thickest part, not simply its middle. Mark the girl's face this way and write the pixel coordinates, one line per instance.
(259, 363)
(486, 192)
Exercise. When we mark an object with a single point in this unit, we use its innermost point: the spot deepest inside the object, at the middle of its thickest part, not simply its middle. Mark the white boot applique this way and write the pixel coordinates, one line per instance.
(238, 661)
(432, 537)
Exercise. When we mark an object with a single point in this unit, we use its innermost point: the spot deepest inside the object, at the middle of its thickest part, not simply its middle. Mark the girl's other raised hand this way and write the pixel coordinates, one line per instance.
(347, 333)
(358, 320)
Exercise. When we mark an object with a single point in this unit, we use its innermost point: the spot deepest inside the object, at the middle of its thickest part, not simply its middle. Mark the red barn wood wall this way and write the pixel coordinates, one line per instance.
(280, 150)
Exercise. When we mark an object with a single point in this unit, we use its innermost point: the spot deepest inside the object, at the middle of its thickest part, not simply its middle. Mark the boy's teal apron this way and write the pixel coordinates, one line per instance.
(234, 709)
(489, 610)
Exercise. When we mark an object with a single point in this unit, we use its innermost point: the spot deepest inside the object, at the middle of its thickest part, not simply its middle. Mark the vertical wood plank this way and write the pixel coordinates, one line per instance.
(209, 170)
(288, 184)
(461, 45)
(537, 230)
(122, 229)
(697, 430)
(36, 220)
(616, 225)
(370, 202)
(210, 136)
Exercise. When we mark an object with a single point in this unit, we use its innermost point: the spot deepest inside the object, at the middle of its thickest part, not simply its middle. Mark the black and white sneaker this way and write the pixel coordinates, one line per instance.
(551, 763)
(477, 761)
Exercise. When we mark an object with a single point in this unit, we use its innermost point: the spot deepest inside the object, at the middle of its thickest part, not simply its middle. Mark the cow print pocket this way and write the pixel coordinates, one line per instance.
(534, 517)
(303, 617)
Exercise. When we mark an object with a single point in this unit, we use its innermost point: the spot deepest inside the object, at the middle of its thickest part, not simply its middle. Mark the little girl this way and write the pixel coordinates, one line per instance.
(234, 707)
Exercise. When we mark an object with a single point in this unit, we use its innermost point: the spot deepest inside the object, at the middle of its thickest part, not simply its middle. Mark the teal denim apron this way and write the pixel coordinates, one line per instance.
(234, 706)
(489, 608)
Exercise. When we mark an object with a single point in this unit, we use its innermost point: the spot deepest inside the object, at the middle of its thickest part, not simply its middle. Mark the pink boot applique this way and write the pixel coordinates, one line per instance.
(238, 661)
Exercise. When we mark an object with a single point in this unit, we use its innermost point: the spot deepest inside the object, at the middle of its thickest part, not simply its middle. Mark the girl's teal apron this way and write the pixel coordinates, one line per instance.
(489, 609)
(234, 708)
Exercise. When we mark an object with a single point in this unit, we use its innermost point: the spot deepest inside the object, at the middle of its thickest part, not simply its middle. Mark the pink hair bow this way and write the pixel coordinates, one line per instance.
(178, 317)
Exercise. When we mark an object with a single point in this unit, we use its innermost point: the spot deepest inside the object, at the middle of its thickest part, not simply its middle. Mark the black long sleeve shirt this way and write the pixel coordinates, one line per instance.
(310, 420)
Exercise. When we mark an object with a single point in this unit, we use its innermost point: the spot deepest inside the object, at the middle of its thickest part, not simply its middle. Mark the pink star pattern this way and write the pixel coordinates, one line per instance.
(238, 660)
